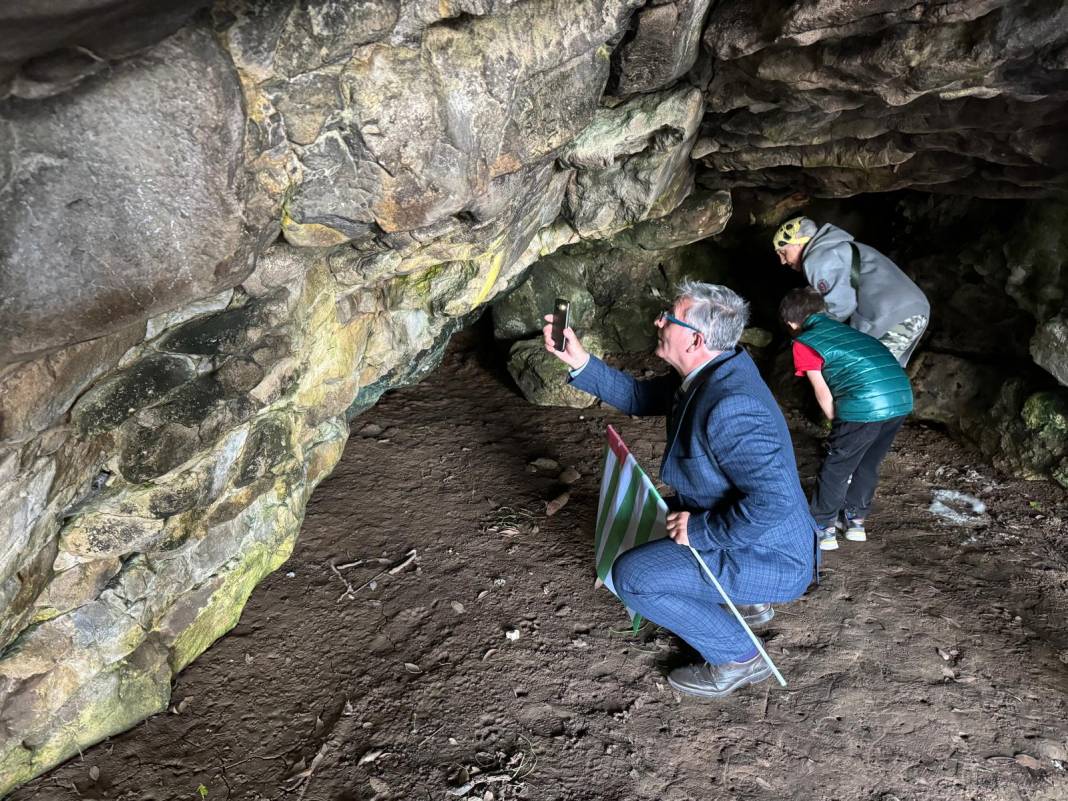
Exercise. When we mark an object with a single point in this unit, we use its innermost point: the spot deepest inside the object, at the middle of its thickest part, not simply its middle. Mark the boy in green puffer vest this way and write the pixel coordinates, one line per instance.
(866, 394)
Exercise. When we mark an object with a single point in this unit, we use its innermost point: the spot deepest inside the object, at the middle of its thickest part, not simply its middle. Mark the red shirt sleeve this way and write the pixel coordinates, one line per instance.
(805, 359)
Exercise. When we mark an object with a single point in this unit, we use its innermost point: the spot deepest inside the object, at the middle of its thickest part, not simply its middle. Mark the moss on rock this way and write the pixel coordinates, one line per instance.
(1046, 413)
(542, 377)
(109, 703)
(219, 610)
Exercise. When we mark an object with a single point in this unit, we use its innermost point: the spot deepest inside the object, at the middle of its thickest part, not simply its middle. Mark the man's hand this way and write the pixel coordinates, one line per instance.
(676, 527)
(573, 354)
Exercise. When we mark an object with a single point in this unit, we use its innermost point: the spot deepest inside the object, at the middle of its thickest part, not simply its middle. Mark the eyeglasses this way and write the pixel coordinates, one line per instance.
(666, 317)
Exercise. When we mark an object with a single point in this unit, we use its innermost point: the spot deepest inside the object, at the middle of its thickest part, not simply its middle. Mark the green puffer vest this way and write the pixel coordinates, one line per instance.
(865, 379)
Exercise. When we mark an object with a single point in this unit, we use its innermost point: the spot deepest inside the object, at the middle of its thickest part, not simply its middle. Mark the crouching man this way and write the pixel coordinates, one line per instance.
(738, 499)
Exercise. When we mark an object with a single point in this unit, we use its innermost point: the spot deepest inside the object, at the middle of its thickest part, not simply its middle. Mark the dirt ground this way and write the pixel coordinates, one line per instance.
(930, 663)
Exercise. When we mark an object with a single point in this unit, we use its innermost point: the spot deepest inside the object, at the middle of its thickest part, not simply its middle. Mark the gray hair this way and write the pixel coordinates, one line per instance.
(719, 313)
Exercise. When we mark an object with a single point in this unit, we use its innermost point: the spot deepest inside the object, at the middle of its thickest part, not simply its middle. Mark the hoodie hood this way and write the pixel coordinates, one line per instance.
(828, 236)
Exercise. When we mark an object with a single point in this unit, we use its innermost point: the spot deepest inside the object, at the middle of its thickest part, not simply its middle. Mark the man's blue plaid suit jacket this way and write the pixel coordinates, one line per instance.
(730, 460)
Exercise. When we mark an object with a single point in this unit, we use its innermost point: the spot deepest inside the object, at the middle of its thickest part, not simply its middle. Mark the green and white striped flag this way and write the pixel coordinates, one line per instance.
(631, 511)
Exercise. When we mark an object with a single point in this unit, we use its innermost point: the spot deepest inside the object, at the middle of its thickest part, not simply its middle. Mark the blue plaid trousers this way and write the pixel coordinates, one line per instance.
(662, 582)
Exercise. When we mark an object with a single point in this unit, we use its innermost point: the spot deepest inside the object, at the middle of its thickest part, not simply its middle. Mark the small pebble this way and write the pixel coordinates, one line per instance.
(570, 475)
(544, 464)
(557, 503)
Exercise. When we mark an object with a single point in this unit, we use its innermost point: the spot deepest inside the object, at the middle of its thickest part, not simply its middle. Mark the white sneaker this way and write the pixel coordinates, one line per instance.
(829, 538)
(855, 530)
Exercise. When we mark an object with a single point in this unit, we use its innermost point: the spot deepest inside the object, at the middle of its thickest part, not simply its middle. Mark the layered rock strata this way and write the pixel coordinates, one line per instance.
(176, 385)
(839, 97)
(231, 228)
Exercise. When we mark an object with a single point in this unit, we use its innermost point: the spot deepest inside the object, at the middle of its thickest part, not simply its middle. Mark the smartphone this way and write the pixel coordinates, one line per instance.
(561, 320)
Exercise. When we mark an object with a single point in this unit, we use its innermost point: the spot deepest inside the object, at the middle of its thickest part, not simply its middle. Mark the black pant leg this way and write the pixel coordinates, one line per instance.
(846, 446)
(866, 475)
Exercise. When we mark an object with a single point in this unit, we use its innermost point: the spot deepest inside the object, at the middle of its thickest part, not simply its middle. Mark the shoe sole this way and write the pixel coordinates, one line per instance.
(755, 678)
(828, 545)
(856, 536)
(761, 619)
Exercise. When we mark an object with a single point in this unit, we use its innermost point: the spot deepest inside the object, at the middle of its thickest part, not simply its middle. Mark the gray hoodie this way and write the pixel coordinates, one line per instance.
(874, 301)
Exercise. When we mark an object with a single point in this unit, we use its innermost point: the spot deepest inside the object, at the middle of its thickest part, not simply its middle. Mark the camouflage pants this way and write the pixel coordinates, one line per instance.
(902, 338)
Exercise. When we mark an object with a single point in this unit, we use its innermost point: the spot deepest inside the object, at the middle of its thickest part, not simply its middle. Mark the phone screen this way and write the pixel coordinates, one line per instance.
(561, 320)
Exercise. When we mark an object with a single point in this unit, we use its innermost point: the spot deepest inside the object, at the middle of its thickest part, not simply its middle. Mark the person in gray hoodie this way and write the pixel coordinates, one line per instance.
(860, 285)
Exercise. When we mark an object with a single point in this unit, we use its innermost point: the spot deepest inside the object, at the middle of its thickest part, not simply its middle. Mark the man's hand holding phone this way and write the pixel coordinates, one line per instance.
(573, 354)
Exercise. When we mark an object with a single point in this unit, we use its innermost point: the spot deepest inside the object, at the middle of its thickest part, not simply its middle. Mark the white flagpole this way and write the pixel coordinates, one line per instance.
(756, 640)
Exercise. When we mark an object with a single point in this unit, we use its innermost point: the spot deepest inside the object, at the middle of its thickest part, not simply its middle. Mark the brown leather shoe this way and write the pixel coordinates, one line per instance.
(716, 681)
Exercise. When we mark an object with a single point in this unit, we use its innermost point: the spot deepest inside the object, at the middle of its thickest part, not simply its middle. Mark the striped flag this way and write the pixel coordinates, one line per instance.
(631, 511)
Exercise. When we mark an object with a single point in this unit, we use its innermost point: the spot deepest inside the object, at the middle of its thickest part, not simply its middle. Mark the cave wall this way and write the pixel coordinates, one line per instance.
(993, 366)
(226, 245)
(231, 229)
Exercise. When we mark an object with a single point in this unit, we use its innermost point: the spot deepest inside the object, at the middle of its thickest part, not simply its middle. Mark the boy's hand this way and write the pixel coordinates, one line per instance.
(573, 354)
